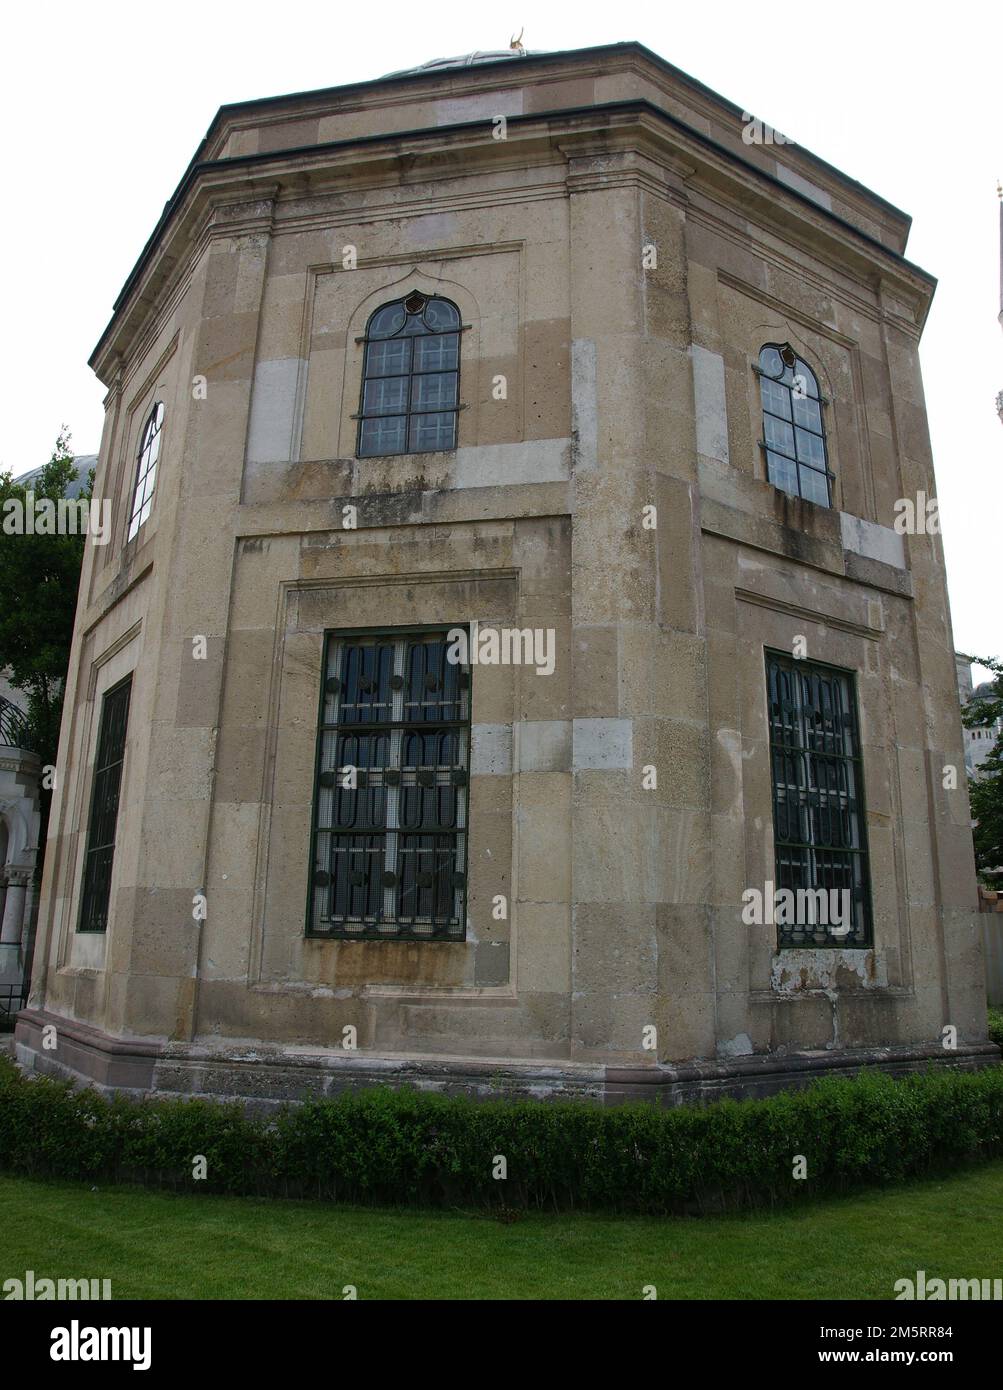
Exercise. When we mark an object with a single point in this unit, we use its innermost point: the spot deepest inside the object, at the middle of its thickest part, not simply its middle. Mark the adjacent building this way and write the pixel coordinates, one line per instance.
(507, 672)
(980, 740)
(20, 777)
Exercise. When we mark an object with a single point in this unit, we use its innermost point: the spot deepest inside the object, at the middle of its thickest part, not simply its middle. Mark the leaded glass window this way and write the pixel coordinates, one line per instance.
(146, 469)
(410, 377)
(99, 856)
(819, 829)
(793, 429)
(390, 802)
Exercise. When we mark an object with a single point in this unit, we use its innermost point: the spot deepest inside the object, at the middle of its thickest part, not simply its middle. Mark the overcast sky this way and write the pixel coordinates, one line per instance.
(104, 104)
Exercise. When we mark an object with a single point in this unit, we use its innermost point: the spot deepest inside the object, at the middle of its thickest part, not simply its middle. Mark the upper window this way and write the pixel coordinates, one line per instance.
(819, 834)
(390, 798)
(794, 435)
(146, 469)
(411, 377)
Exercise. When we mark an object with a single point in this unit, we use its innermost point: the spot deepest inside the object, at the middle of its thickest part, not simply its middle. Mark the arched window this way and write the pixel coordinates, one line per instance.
(146, 469)
(793, 432)
(411, 377)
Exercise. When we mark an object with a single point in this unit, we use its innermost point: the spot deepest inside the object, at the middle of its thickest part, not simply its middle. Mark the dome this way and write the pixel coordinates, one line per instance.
(465, 60)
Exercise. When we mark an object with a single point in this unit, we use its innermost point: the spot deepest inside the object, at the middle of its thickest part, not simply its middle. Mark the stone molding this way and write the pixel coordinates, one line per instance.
(263, 1078)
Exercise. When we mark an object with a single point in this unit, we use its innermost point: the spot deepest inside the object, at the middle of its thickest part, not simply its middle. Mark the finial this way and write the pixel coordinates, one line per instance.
(519, 47)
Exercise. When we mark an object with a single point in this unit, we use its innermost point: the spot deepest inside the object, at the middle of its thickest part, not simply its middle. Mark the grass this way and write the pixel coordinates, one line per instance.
(157, 1246)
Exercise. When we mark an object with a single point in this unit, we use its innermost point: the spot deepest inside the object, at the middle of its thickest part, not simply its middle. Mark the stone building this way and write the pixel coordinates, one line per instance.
(980, 740)
(20, 774)
(566, 356)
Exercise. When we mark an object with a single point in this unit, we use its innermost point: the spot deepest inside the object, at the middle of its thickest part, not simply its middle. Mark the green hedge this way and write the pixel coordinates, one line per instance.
(394, 1147)
(996, 1026)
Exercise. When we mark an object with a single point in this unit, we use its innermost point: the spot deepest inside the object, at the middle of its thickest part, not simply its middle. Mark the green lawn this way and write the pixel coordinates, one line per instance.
(153, 1245)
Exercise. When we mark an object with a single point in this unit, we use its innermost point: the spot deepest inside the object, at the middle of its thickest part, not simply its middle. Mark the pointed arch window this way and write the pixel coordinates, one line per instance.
(146, 469)
(410, 378)
(797, 459)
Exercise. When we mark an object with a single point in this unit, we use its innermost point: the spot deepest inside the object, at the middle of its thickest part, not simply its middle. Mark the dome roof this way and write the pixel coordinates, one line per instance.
(465, 60)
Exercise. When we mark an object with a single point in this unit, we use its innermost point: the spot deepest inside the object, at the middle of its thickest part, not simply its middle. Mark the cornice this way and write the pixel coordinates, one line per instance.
(504, 74)
(258, 183)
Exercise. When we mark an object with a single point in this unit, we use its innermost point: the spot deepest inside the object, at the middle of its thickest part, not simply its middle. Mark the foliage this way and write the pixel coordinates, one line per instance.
(39, 577)
(407, 1147)
(986, 793)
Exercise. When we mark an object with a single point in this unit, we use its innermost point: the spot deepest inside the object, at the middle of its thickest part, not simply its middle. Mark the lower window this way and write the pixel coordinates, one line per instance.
(99, 856)
(822, 882)
(390, 796)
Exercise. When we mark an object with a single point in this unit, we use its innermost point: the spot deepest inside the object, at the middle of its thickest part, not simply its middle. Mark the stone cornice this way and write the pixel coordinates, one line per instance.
(606, 60)
(19, 760)
(243, 195)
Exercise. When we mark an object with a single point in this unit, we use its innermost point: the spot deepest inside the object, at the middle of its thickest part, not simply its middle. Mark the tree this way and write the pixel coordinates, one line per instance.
(986, 793)
(39, 577)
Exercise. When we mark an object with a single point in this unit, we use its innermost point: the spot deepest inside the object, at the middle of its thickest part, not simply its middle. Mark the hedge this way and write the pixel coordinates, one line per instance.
(995, 1026)
(408, 1147)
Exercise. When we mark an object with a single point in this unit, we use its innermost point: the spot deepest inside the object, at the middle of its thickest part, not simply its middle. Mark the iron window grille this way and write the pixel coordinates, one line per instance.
(410, 378)
(15, 732)
(146, 469)
(797, 459)
(13, 998)
(101, 830)
(819, 825)
(390, 798)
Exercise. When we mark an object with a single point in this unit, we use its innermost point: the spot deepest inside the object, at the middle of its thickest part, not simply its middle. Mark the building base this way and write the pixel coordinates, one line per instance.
(262, 1077)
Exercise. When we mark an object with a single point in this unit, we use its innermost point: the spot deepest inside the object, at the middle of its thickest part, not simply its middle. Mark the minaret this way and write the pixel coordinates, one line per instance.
(999, 194)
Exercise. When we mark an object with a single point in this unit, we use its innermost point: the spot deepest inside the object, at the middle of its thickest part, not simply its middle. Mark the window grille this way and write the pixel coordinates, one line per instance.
(146, 469)
(100, 853)
(390, 800)
(797, 459)
(819, 825)
(410, 378)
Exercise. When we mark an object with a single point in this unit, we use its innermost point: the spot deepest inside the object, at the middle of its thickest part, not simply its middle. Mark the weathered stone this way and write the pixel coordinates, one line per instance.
(607, 492)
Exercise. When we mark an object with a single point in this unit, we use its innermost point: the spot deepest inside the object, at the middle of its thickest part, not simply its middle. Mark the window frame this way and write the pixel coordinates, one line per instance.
(797, 367)
(86, 885)
(862, 935)
(446, 933)
(151, 433)
(361, 416)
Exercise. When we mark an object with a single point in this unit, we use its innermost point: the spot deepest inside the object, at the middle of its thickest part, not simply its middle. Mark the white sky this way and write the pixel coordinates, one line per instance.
(103, 105)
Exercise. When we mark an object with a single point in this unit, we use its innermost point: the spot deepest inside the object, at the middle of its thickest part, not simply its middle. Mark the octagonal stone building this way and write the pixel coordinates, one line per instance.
(521, 572)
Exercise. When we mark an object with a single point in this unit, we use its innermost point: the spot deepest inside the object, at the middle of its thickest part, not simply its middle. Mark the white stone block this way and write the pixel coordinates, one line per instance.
(544, 745)
(490, 749)
(273, 410)
(603, 743)
(710, 403)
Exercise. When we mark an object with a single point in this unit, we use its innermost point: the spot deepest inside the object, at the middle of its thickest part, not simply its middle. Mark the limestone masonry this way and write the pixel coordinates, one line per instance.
(556, 346)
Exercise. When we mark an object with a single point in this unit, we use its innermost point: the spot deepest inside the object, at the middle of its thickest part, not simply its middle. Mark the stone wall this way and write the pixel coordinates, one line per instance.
(629, 385)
